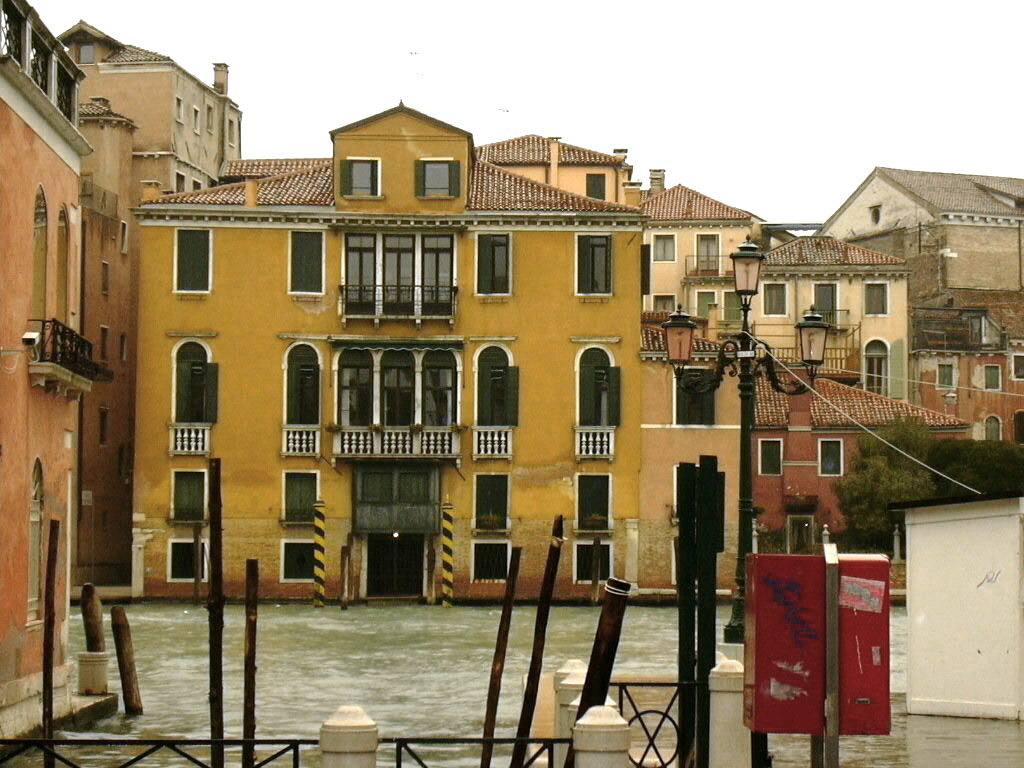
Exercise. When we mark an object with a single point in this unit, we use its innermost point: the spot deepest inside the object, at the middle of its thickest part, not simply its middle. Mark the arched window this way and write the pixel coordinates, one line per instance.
(39, 258)
(397, 385)
(60, 310)
(993, 429)
(876, 367)
(1018, 426)
(35, 542)
(439, 389)
(303, 390)
(355, 388)
(195, 385)
(497, 389)
(598, 390)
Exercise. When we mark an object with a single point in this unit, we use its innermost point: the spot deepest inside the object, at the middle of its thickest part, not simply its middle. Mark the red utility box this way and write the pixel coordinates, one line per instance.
(864, 644)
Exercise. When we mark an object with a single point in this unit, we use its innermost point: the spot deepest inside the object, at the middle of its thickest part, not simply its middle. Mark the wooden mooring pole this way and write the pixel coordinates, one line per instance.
(540, 629)
(197, 562)
(595, 571)
(125, 661)
(49, 627)
(92, 619)
(500, 647)
(343, 579)
(215, 607)
(252, 596)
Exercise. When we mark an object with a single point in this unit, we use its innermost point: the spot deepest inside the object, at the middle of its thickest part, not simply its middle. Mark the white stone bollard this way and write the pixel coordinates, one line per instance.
(600, 739)
(568, 688)
(348, 739)
(92, 673)
(730, 739)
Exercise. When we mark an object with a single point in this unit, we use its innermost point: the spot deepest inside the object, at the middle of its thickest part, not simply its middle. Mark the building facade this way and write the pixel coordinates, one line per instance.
(405, 327)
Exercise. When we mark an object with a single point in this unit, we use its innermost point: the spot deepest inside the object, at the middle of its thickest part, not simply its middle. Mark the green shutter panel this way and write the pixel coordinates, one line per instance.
(453, 178)
(645, 270)
(484, 414)
(292, 393)
(292, 494)
(346, 177)
(420, 181)
(485, 264)
(614, 396)
(512, 395)
(608, 287)
(585, 267)
(210, 396)
(183, 374)
(896, 373)
(587, 385)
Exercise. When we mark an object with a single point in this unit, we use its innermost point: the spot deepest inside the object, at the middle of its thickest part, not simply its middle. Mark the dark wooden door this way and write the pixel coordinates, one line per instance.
(394, 565)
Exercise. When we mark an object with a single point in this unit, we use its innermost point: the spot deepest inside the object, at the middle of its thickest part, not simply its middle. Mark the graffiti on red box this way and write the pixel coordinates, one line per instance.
(861, 594)
(788, 593)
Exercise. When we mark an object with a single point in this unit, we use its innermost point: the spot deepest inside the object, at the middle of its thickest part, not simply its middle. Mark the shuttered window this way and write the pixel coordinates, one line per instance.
(490, 560)
(193, 260)
(299, 496)
(770, 457)
(359, 177)
(592, 501)
(306, 272)
(599, 390)
(585, 561)
(774, 298)
(596, 186)
(993, 377)
(437, 178)
(594, 264)
(695, 407)
(195, 386)
(189, 495)
(876, 299)
(497, 389)
(492, 264)
(303, 392)
(491, 502)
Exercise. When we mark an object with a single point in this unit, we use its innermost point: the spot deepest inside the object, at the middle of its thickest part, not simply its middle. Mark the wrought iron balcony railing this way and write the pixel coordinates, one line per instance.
(412, 301)
(405, 442)
(63, 358)
(708, 266)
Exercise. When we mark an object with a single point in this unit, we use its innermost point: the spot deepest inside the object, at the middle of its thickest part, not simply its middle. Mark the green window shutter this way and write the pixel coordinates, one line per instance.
(307, 266)
(896, 374)
(596, 186)
(188, 495)
(421, 189)
(292, 393)
(484, 410)
(588, 385)
(300, 494)
(193, 260)
(453, 178)
(614, 396)
(512, 395)
(585, 266)
(346, 177)
(485, 264)
(183, 375)
(210, 396)
(645, 270)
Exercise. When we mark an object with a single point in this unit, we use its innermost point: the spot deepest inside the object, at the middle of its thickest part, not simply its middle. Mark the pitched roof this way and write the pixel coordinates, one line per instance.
(260, 169)
(309, 187)
(132, 54)
(772, 408)
(536, 150)
(401, 108)
(652, 335)
(680, 203)
(99, 108)
(820, 250)
(960, 192)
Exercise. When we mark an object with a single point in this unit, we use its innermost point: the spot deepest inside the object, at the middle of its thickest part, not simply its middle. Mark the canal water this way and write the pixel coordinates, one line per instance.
(423, 671)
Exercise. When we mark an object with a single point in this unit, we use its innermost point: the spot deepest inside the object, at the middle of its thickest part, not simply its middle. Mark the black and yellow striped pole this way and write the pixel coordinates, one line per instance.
(319, 569)
(447, 553)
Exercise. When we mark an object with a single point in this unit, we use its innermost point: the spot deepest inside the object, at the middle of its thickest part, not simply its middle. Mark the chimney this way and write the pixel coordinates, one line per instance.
(620, 154)
(150, 190)
(657, 180)
(631, 193)
(220, 78)
(101, 102)
(251, 193)
(554, 154)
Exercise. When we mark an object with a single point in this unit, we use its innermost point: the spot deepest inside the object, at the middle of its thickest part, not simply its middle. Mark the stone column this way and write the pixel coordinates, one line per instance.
(730, 739)
(348, 739)
(568, 682)
(92, 673)
(601, 739)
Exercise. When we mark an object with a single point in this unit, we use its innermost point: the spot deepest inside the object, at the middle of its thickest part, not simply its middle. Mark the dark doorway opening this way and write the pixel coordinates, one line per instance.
(394, 565)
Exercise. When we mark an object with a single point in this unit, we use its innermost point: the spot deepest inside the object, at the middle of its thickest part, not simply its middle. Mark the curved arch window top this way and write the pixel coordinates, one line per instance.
(993, 429)
(599, 390)
(35, 542)
(61, 309)
(497, 389)
(195, 395)
(355, 388)
(876, 367)
(39, 257)
(303, 386)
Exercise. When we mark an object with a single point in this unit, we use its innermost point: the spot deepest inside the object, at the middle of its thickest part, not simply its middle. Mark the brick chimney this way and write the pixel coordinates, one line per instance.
(220, 78)
(631, 193)
(657, 180)
(554, 155)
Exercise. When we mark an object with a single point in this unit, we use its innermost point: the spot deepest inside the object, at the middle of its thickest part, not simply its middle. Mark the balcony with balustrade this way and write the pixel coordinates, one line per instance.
(300, 440)
(492, 442)
(398, 302)
(390, 442)
(190, 439)
(61, 360)
(595, 443)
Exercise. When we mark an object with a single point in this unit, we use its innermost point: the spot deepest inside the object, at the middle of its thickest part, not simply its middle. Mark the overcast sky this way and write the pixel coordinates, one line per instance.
(781, 108)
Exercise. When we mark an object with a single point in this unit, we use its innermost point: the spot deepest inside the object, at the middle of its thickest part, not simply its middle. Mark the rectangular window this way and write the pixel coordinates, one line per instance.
(87, 54)
(104, 341)
(944, 376)
(490, 560)
(664, 248)
(104, 425)
(704, 301)
(300, 492)
(192, 266)
(1018, 366)
(189, 495)
(105, 277)
(769, 460)
(124, 237)
(179, 113)
(695, 407)
(209, 119)
(437, 254)
(231, 132)
(123, 347)
(731, 312)
(296, 560)
(492, 264)
(594, 264)
(360, 276)
(306, 270)
(830, 457)
(196, 125)
(596, 186)
(585, 561)
(774, 298)
(491, 502)
(437, 178)
(196, 185)
(876, 299)
(707, 254)
(664, 303)
(361, 178)
(179, 182)
(592, 502)
(825, 301)
(993, 377)
(181, 565)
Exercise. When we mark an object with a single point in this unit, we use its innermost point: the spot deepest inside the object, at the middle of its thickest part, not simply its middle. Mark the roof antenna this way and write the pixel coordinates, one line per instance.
(401, 103)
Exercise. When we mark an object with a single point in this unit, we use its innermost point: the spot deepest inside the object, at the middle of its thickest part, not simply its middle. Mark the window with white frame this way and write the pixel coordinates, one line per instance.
(181, 560)
(664, 248)
(301, 490)
(664, 302)
(381, 274)
(306, 263)
(876, 298)
(437, 177)
(708, 250)
(196, 124)
(599, 389)
(195, 385)
(593, 502)
(493, 267)
(830, 457)
(192, 261)
(491, 510)
(360, 177)
(593, 264)
(296, 560)
(497, 389)
(769, 456)
(774, 298)
(584, 560)
(490, 560)
(876, 367)
(302, 387)
(1018, 366)
(355, 388)
(189, 495)
(945, 375)
(993, 377)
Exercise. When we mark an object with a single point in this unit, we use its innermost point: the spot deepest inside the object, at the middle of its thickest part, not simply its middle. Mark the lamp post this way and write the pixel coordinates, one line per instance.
(739, 356)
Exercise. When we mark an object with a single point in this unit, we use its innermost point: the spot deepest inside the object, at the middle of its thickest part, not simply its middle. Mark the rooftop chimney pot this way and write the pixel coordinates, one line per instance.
(657, 180)
(220, 78)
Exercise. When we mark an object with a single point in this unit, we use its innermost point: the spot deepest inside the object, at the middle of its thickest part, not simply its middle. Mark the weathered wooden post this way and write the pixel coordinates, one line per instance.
(343, 579)
(686, 604)
(215, 607)
(197, 561)
(319, 542)
(92, 662)
(498, 664)
(125, 661)
(710, 541)
(252, 596)
(49, 626)
(595, 571)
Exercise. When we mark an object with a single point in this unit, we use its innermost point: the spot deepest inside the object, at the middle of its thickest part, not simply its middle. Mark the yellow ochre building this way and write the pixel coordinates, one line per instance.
(397, 326)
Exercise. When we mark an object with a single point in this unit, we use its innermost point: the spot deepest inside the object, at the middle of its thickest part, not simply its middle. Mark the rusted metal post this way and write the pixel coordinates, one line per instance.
(49, 627)
(343, 579)
(197, 561)
(595, 572)
(215, 607)
(498, 665)
(686, 605)
(540, 629)
(125, 661)
(92, 619)
(252, 596)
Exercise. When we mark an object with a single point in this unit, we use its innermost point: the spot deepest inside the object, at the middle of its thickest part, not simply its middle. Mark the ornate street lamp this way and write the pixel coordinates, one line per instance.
(739, 356)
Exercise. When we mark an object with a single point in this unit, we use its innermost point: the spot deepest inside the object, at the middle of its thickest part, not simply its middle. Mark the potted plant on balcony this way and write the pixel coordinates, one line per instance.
(333, 427)
(415, 428)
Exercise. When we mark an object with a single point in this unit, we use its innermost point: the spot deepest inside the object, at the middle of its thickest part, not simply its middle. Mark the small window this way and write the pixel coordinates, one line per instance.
(231, 132)
(104, 341)
(124, 237)
(123, 347)
(596, 186)
(704, 301)
(594, 264)
(592, 502)
(491, 511)
(183, 558)
(105, 277)
(296, 561)
(492, 264)
(192, 267)
(1018, 366)
(800, 534)
(179, 109)
(307, 260)
(769, 457)
(104, 415)
(585, 560)
(300, 493)
(209, 119)
(993, 377)
(944, 376)
(664, 248)
(664, 303)
(437, 178)
(876, 367)
(774, 298)
(179, 182)
(196, 124)
(875, 212)
(87, 53)
(993, 429)
(707, 254)
(830, 457)
(189, 495)
(196, 185)
(695, 408)
(732, 311)
(361, 178)
(876, 299)
(490, 560)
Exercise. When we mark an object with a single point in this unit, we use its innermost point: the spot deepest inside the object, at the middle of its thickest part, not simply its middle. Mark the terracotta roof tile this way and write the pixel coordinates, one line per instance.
(960, 192)
(310, 187)
(132, 54)
(259, 169)
(495, 189)
(652, 335)
(99, 109)
(817, 250)
(680, 203)
(535, 150)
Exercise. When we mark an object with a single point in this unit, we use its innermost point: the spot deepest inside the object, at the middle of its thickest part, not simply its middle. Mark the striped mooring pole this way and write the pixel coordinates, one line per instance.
(319, 569)
(447, 553)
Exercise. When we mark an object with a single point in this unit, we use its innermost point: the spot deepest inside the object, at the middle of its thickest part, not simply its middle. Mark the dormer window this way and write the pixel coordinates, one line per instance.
(361, 177)
(437, 178)
(87, 53)
(876, 213)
